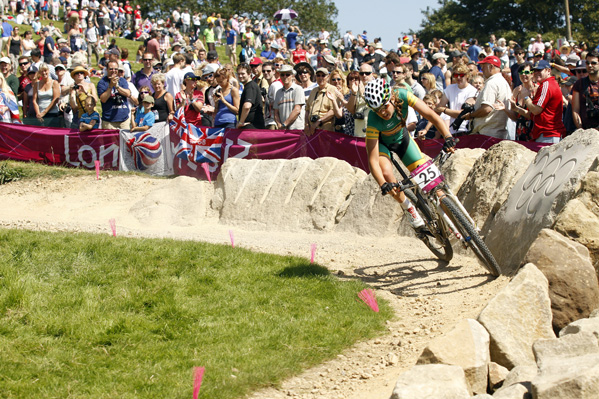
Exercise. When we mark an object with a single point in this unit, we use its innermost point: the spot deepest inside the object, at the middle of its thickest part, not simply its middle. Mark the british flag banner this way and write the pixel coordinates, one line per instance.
(149, 152)
(195, 145)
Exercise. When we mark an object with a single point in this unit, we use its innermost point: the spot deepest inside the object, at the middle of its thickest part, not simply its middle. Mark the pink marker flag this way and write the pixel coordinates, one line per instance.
(197, 381)
(112, 223)
(97, 163)
(312, 252)
(207, 171)
(232, 238)
(367, 295)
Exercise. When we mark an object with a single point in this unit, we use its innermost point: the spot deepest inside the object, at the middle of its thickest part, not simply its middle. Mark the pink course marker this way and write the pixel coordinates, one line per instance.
(232, 238)
(312, 252)
(112, 223)
(197, 381)
(207, 171)
(367, 295)
(97, 163)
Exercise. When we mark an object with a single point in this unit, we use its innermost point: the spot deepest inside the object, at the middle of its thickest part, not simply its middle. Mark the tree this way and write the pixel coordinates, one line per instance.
(313, 14)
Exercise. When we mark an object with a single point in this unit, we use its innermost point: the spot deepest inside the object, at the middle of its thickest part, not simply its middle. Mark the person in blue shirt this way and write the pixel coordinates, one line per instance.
(474, 50)
(90, 119)
(114, 92)
(145, 117)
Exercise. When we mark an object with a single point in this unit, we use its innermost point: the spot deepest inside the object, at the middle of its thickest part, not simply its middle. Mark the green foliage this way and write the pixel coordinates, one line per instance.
(313, 14)
(515, 20)
(9, 173)
(85, 316)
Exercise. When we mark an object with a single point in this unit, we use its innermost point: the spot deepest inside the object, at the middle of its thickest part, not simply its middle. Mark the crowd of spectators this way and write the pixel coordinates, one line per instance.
(274, 77)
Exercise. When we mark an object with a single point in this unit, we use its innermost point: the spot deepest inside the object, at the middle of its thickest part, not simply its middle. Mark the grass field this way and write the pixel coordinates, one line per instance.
(85, 316)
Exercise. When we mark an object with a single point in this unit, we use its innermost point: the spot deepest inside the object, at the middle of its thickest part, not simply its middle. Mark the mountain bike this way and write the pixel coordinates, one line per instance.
(444, 216)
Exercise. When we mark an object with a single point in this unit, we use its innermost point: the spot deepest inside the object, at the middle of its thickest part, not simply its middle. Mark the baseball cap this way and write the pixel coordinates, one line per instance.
(256, 61)
(455, 53)
(5, 59)
(60, 66)
(45, 29)
(191, 75)
(330, 59)
(493, 60)
(323, 70)
(212, 55)
(572, 59)
(114, 51)
(436, 56)
(32, 69)
(148, 99)
(287, 69)
(541, 65)
(581, 64)
(210, 68)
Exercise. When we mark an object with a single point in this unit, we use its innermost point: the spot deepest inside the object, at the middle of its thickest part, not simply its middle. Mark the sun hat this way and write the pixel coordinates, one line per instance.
(79, 69)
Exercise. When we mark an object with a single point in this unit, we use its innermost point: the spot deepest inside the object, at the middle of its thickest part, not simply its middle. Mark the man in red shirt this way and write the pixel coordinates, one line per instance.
(129, 14)
(546, 107)
(299, 54)
(153, 46)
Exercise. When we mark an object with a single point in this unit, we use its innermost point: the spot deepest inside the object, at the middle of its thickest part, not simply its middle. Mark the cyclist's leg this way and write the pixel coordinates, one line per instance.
(387, 169)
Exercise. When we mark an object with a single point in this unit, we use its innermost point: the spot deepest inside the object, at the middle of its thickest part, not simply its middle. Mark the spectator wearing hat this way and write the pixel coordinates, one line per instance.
(191, 99)
(439, 61)
(81, 90)
(27, 95)
(486, 119)
(289, 101)
(546, 107)
(145, 117)
(585, 95)
(11, 78)
(251, 112)
(580, 70)
(258, 76)
(319, 112)
(114, 92)
(329, 62)
(209, 100)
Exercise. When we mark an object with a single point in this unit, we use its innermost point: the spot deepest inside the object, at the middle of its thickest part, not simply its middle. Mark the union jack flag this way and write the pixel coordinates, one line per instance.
(197, 144)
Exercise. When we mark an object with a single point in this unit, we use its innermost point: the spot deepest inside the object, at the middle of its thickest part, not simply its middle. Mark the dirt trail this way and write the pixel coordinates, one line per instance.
(428, 297)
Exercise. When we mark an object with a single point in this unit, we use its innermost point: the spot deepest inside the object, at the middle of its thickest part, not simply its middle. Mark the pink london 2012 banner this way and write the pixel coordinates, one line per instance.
(70, 148)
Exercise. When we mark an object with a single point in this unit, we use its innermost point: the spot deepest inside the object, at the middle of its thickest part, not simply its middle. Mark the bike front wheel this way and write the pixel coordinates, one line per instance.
(470, 235)
(437, 238)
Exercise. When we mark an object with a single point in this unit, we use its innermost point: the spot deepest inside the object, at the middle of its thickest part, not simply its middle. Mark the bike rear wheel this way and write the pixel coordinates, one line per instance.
(438, 240)
(471, 236)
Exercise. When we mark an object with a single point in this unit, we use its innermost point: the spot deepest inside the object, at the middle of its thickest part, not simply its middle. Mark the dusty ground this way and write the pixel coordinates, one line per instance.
(428, 297)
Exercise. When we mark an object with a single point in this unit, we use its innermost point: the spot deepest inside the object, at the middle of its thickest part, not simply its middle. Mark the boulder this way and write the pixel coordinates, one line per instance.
(573, 286)
(516, 391)
(483, 396)
(497, 374)
(517, 316)
(568, 367)
(491, 178)
(520, 374)
(467, 346)
(551, 352)
(579, 220)
(169, 205)
(437, 381)
(284, 194)
(539, 196)
(590, 325)
(459, 165)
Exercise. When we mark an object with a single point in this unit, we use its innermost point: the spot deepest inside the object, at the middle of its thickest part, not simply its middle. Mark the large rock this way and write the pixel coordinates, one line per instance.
(497, 375)
(579, 220)
(437, 381)
(491, 178)
(521, 375)
(590, 325)
(369, 212)
(516, 391)
(568, 367)
(284, 194)
(540, 195)
(467, 346)
(459, 165)
(573, 286)
(517, 316)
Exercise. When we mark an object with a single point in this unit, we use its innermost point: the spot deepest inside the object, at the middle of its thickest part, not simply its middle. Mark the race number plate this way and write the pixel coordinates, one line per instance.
(427, 176)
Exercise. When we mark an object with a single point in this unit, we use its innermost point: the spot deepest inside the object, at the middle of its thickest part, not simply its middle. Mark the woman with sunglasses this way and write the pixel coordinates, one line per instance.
(428, 81)
(455, 96)
(227, 100)
(164, 103)
(344, 124)
(80, 90)
(191, 99)
(386, 129)
(517, 111)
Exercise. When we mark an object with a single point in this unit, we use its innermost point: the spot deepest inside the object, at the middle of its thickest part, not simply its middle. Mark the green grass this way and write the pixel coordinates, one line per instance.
(85, 316)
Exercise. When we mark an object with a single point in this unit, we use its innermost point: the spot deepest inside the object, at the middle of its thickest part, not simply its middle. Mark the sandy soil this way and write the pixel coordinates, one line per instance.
(427, 296)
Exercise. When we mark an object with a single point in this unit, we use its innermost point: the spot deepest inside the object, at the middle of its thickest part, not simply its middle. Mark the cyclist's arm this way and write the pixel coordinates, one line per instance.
(432, 116)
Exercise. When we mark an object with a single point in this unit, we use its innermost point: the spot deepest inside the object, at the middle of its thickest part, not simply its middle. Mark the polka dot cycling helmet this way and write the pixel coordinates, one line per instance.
(377, 93)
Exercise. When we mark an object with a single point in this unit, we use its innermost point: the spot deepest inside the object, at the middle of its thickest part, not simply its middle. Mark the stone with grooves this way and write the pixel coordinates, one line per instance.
(497, 374)
(590, 325)
(517, 316)
(467, 346)
(568, 367)
(458, 166)
(539, 196)
(579, 220)
(573, 286)
(284, 194)
(491, 178)
(437, 381)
